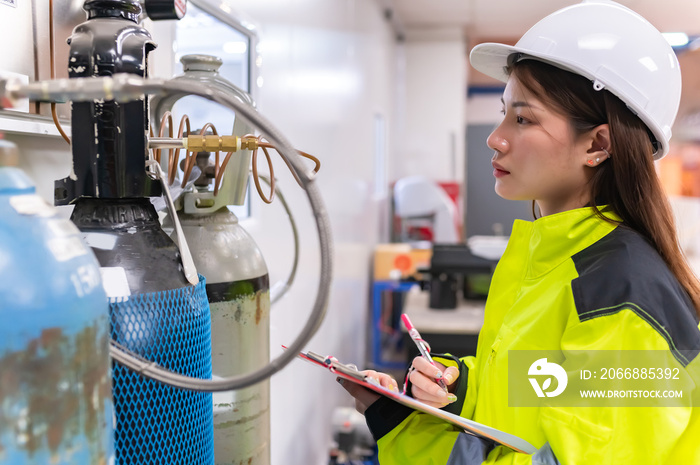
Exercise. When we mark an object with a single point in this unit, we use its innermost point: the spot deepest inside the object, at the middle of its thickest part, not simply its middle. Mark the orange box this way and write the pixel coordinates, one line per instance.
(401, 257)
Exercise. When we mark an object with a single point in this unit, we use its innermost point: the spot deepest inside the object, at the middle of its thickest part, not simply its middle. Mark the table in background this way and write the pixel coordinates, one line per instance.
(452, 331)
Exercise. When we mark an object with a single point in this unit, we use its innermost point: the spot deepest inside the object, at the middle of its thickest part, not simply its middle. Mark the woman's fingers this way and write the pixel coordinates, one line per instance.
(450, 375)
(424, 366)
(383, 379)
(437, 371)
(363, 396)
(424, 385)
(431, 398)
(424, 379)
(427, 390)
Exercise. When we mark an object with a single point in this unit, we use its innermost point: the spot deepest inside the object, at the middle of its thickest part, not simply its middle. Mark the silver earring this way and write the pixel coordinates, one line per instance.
(606, 152)
(597, 160)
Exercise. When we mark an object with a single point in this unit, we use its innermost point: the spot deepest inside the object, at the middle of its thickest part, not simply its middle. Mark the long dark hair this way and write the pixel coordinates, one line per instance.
(627, 182)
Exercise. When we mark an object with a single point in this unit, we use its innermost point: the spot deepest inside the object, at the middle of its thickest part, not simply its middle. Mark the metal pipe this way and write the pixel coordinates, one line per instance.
(166, 143)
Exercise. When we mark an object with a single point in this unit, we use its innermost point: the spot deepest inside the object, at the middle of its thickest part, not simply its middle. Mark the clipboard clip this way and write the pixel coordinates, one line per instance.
(334, 365)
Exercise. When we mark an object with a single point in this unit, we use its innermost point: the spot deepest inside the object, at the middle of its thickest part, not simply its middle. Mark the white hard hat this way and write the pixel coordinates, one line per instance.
(612, 46)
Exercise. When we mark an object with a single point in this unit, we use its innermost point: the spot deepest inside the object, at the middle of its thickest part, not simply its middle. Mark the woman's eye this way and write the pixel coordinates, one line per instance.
(503, 111)
(520, 120)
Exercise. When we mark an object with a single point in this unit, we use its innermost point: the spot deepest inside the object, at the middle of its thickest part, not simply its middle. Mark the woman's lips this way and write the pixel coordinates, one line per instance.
(498, 170)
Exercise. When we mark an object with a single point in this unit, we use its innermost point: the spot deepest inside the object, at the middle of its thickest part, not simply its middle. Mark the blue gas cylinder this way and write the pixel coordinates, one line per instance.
(55, 383)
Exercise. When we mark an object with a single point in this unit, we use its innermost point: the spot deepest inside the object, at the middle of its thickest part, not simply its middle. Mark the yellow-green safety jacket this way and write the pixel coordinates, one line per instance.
(571, 282)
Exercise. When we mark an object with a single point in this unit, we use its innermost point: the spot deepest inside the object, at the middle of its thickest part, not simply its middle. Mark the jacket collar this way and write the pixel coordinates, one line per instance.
(553, 239)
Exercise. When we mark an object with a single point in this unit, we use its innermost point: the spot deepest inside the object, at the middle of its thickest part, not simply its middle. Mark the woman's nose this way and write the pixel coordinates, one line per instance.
(496, 141)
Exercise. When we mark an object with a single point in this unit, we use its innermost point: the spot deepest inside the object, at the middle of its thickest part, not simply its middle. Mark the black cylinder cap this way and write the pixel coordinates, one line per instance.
(127, 9)
(166, 9)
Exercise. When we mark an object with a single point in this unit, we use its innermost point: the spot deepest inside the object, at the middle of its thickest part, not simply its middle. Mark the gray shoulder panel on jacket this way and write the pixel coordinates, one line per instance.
(622, 271)
(545, 456)
(469, 450)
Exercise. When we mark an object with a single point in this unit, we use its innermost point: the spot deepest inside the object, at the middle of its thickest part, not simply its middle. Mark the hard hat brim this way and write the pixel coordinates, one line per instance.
(492, 59)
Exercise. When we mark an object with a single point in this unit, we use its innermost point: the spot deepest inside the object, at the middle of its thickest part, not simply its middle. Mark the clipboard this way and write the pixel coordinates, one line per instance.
(351, 373)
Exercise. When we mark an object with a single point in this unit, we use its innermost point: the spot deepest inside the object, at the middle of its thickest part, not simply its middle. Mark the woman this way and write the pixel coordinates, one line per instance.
(591, 93)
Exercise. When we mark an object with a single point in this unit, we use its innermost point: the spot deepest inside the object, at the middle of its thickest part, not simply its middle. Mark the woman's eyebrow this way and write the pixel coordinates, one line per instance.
(519, 103)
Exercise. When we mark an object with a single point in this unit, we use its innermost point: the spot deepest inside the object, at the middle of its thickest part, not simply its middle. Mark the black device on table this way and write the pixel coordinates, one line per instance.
(454, 268)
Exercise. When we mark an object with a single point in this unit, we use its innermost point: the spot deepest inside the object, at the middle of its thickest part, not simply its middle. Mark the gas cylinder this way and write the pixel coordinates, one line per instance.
(238, 286)
(156, 314)
(155, 311)
(55, 386)
(238, 290)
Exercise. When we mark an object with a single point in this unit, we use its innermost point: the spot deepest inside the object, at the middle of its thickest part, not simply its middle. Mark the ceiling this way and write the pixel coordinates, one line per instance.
(511, 18)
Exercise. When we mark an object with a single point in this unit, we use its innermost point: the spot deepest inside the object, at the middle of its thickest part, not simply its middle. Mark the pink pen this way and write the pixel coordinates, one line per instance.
(423, 346)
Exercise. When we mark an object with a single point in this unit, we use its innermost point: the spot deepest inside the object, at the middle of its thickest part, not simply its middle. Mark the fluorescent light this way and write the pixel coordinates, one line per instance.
(676, 39)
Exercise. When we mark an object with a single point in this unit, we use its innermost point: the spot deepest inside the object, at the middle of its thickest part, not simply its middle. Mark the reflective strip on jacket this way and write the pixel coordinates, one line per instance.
(571, 282)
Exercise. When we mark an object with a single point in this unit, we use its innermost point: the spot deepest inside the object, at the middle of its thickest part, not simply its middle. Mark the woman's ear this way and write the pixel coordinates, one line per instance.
(598, 145)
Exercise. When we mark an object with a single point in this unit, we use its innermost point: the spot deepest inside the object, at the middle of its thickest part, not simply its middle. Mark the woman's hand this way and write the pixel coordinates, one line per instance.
(363, 396)
(425, 387)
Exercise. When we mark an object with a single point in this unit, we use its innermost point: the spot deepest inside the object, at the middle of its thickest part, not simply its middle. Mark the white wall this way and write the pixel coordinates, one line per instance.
(432, 120)
(327, 70)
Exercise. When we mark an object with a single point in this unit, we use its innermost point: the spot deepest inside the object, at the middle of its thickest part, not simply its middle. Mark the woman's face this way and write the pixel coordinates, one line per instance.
(536, 154)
